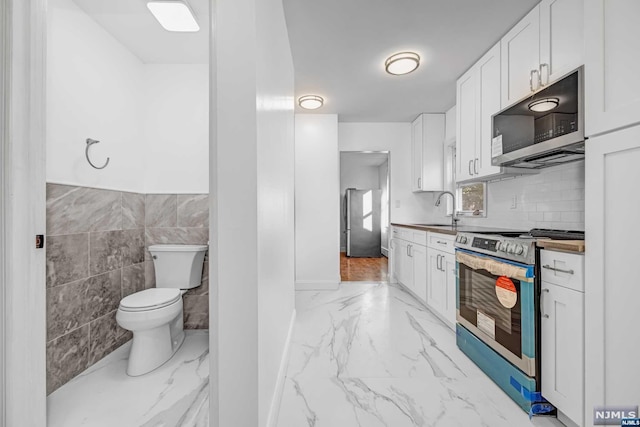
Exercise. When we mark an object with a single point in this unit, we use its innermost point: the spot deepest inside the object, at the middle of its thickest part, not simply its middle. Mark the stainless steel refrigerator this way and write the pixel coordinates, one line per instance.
(362, 222)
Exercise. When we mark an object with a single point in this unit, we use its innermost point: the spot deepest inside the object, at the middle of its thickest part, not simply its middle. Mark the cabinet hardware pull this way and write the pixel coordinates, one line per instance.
(475, 166)
(439, 241)
(531, 79)
(470, 171)
(408, 250)
(540, 75)
(420, 183)
(546, 316)
(548, 267)
(438, 262)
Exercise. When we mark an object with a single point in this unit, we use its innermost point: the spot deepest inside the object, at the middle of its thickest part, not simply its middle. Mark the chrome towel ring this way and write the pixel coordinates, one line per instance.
(90, 142)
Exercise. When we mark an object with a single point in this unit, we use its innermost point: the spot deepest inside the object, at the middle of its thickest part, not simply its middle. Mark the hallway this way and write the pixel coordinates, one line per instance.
(369, 355)
(363, 269)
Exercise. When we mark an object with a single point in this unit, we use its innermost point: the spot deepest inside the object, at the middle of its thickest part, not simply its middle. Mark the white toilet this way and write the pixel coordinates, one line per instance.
(155, 315)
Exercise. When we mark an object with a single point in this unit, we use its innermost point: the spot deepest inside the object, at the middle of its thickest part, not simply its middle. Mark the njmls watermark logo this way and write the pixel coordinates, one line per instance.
(615, 415)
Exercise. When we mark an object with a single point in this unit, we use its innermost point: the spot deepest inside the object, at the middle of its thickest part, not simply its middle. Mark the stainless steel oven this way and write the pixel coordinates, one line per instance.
(496, 303)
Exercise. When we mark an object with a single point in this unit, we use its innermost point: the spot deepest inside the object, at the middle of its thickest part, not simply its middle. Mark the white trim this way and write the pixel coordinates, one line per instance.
(4, 138)
(385, 252)
(317, 285)
(272, 420)
(24, 213)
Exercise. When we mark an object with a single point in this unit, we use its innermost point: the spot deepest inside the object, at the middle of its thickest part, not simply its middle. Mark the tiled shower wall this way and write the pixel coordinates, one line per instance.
(96, 256)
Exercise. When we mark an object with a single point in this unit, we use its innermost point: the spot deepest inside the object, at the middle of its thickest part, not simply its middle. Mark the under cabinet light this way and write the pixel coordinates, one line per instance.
(174, 15)
(542, 105)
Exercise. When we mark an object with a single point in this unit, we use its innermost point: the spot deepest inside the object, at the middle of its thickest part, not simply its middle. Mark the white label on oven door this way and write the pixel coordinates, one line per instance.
(486, 324)
(496, 146)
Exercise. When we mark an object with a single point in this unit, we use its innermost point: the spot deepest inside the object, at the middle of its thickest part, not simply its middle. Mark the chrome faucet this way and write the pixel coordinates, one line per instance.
(454, 219)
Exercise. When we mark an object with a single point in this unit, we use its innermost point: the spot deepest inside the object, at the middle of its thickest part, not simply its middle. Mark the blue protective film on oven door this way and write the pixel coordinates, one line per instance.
(528, 319)
(529, 270)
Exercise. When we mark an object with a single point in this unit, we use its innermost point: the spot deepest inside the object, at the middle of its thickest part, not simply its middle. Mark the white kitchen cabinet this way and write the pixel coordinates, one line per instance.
(477, 99)
(562, 333)
(409, 259)
(418, 255)
(612, 339)
(520, 49)
(544, 46)
(427, 141)
(441, 277)
(612, 95)
(561, 38)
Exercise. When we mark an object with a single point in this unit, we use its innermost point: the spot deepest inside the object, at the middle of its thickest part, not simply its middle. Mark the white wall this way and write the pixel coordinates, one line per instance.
(406, 206)
(176, 128)
(317, 196)
(276, 169)
(152, 120)
(552, 199)
(357, 176)
(252, 192)
(93, 91)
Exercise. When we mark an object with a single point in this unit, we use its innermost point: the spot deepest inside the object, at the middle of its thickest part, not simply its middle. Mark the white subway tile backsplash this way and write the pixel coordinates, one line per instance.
(554, 198)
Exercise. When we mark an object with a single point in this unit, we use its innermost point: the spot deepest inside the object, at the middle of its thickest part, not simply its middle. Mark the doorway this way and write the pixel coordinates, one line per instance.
(364, 216)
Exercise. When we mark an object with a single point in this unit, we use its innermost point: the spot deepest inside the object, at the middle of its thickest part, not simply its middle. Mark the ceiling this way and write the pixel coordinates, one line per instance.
(353, 160)
(131, 23)
(339, 48)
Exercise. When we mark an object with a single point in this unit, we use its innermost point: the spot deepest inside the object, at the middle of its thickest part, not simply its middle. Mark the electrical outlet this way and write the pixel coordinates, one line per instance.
(514, 202)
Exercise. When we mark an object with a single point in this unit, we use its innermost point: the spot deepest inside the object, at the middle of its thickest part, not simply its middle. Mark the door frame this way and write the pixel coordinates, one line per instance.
(22, 212)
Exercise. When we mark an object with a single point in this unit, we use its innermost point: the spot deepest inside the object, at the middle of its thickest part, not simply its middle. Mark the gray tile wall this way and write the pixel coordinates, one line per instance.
(96, 256)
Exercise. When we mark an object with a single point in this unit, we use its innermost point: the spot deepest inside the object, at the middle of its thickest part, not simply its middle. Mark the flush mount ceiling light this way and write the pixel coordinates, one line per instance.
(174, 15)
(402, 63)
(310, 102)
(545, 104)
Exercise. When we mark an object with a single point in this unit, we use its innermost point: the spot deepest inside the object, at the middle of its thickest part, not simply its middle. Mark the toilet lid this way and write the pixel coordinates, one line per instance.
(150, 299)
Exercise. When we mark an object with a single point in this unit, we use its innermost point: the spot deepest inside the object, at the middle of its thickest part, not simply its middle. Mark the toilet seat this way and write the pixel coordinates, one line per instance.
(150, 299)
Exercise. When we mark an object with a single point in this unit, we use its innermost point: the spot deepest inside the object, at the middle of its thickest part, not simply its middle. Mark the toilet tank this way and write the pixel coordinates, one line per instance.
(178, 266)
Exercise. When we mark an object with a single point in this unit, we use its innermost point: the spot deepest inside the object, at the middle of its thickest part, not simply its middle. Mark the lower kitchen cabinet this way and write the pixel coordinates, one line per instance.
(562, 333)
(410, 260)
(441, 277)
(419, 260)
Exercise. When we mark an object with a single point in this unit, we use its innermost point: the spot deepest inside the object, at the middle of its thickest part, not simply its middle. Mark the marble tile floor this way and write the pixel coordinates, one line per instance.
(174, 395)
(370, 355)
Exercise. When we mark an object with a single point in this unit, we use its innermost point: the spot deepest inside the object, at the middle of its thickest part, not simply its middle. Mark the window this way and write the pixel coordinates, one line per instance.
(471, 199)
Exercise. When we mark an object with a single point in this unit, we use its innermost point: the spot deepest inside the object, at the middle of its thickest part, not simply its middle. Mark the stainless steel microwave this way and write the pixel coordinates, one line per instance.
(544, 129)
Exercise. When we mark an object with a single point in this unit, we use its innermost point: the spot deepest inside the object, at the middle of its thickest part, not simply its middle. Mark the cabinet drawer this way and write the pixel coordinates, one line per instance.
(442, 242)
(562, 268)
(418, 237)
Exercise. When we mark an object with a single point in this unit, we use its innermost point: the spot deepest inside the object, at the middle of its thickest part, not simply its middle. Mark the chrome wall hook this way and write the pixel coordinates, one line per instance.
(90, 142)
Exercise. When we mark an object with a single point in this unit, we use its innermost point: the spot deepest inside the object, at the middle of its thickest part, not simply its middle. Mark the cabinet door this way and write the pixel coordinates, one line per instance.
(406, 265)
(449, 275)
(612, 343)
(612, 43)
(561, 38)
(432, 147)
(416, 154)
(562, 345)
(488, 97)
(520, 55)
(436, 292)
(419, 258)
(466, 110)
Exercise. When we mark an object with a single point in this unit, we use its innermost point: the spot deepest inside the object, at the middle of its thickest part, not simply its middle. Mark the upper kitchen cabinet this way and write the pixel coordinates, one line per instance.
(478, 98)
(545, 45)
(427, 141)
(612, 98)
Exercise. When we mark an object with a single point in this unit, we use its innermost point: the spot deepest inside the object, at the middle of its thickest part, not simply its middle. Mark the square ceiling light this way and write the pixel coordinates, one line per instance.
(174, 15)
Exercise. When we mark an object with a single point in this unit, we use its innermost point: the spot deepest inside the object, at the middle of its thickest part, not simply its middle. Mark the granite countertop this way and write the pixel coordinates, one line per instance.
(448, 229)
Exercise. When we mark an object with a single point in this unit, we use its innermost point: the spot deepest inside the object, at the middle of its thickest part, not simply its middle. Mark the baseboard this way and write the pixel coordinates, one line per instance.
(320, 285)
(282, 376)
(385, 252)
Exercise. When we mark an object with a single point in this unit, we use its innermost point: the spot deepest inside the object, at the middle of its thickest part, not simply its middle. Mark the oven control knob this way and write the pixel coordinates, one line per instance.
(519, 249)
(463, 239)
(511, 248)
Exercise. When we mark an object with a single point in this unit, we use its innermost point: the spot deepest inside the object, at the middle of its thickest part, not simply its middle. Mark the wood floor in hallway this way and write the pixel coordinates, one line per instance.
(363, 269)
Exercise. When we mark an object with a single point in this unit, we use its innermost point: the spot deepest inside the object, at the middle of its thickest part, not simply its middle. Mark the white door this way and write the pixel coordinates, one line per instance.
(488, 99)
(419, 255)
(562, 335)
(612, 43)
(561, 38)
(612, 341)
(520, 57)
(466, 110)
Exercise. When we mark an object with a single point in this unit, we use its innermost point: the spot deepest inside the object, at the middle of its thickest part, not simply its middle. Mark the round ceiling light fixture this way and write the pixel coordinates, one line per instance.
(310, 102)
(545, 104)
(402, 63)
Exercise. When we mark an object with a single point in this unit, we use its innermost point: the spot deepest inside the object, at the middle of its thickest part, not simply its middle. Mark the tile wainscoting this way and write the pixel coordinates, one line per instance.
(96, 256)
